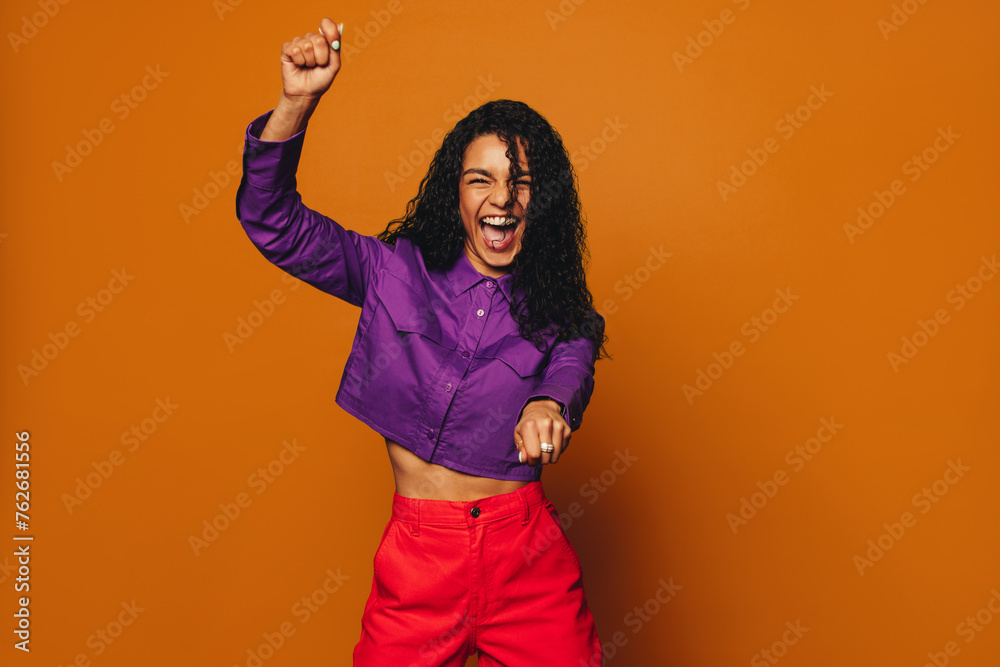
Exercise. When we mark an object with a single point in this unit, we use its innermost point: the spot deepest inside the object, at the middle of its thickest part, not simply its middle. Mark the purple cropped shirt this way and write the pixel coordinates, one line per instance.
(437, 364)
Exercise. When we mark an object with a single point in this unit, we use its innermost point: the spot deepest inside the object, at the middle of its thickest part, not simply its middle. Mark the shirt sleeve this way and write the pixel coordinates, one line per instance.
(569, 377)
(297, 239)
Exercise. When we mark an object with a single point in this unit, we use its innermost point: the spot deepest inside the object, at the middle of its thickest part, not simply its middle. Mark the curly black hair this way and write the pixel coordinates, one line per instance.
(549, 265)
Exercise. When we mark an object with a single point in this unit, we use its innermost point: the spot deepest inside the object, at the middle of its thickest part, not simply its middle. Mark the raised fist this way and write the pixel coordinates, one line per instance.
(310, 63)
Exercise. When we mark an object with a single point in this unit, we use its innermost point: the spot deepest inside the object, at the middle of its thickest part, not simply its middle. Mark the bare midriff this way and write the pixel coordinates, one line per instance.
(416, 478)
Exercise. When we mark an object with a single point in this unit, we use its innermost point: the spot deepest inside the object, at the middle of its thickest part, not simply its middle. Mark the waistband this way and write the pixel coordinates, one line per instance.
(417, 511)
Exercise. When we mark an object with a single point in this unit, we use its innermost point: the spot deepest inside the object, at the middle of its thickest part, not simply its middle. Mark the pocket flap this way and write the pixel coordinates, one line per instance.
(408, 310)
(518, 353)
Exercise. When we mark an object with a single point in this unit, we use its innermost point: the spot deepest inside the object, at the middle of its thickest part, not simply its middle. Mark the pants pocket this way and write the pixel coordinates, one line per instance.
(380, 556)
(553, 530)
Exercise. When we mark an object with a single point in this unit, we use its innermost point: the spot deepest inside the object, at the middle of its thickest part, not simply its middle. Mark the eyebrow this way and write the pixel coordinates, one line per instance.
(484, 172)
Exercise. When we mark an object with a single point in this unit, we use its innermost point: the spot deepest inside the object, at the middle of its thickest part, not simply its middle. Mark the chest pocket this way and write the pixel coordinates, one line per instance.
(518, 353)
(410, 313)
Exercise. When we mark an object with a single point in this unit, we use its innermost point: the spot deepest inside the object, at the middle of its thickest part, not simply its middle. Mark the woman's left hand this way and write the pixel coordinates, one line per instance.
(541, 421)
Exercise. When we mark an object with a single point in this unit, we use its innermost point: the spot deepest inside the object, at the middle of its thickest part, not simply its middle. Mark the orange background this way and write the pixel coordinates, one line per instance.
(652, 183)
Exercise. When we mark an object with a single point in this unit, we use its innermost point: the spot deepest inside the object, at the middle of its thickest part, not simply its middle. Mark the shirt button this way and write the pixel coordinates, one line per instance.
(489, 285)
(447, 387)
(465, 355)
(480, 312)
(474, 512)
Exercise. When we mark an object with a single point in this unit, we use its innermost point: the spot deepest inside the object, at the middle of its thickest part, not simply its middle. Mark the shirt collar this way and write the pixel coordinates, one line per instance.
(463, 276)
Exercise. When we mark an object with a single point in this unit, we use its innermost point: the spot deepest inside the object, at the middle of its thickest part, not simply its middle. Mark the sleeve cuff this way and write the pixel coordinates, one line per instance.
(271, 165)
(563, 404)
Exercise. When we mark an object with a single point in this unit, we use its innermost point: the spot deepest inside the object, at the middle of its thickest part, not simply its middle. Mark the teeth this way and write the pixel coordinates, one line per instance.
(497, 221)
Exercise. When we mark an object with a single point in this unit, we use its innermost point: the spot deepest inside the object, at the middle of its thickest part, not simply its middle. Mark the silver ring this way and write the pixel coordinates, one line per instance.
(546, 447)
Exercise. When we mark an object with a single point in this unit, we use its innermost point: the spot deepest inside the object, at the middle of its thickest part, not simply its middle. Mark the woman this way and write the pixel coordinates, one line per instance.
(474, 359)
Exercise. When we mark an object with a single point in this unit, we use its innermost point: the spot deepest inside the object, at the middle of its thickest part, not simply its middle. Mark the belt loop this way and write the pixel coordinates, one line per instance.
(527, 509)
(415, 528)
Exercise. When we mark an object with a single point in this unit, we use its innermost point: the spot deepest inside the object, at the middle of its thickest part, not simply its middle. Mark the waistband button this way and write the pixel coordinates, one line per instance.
(474, 512)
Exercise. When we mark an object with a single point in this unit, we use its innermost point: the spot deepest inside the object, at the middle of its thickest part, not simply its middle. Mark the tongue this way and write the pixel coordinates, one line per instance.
(496, 234)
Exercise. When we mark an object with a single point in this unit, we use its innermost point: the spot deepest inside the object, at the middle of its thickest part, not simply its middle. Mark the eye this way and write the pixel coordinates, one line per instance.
(477, 180)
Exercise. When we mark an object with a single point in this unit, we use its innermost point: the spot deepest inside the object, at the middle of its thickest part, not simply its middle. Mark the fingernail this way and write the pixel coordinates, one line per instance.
(340, 28)
(520, 457)
(336, 45)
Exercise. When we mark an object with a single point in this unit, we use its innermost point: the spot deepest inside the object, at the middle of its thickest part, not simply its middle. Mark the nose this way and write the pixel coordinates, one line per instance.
(501, 197)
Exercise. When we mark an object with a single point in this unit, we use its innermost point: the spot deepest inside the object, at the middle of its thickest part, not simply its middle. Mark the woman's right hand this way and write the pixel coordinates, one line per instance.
(309, 64)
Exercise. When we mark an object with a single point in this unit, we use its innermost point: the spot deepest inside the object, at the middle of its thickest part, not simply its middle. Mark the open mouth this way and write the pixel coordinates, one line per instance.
(498, 231)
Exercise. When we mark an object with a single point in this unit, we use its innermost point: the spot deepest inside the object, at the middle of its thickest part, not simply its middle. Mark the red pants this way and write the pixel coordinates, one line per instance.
(496, 575)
